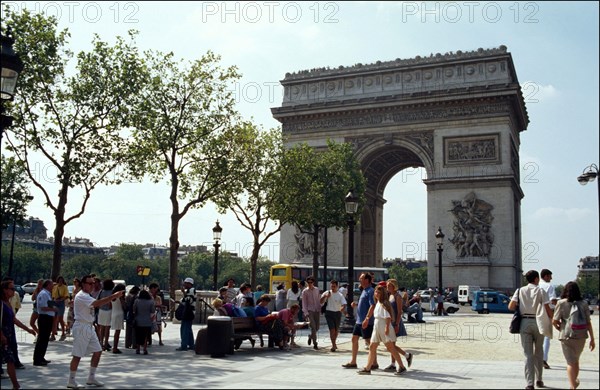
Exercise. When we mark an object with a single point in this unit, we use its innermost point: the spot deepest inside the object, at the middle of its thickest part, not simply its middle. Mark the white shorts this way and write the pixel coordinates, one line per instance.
(379, 335)
(104, 317)
(85, 340)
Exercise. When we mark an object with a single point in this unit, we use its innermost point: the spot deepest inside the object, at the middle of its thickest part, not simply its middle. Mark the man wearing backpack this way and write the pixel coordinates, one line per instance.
(530, 300)
(546, 277)
(185, 331)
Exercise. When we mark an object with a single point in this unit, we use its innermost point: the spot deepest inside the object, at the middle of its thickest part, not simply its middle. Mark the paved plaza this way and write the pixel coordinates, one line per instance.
(463, 350)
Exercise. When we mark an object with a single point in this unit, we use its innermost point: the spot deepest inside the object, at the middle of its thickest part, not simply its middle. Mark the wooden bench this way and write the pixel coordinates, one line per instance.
(244, 328)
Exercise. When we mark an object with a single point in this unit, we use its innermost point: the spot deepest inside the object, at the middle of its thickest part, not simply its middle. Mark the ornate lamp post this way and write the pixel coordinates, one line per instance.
(439, 237)
(351, 202)
(11, 67)
(589, 174)
(216, 236)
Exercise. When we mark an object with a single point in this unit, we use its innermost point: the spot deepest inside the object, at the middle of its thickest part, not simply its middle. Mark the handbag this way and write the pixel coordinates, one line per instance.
(515, 323)
(324, 307)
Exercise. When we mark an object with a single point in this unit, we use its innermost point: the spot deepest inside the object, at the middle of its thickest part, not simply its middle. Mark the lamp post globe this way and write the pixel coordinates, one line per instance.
(589, 175)
(217, 237)
(11, 67)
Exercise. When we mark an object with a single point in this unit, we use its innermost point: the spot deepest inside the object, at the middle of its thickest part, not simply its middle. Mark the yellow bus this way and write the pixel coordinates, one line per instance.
(286, 273)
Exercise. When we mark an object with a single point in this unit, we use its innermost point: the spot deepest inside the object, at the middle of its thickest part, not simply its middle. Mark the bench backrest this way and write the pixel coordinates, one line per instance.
(243, 324)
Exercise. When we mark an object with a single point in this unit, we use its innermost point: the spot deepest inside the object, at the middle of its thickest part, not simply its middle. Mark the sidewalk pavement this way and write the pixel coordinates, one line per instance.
(264, 368)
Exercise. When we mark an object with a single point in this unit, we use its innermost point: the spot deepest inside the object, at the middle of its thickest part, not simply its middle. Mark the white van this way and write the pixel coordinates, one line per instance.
(119, 281)
(465, 294)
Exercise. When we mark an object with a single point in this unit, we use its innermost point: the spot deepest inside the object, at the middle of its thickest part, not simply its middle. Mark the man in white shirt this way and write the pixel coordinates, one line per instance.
(546, 277)
(46, 311)
(531, 299)
(85, 339)
(336, 303)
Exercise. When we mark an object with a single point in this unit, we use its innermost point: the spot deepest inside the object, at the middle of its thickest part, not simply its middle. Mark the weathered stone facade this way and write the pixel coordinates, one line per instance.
(458, 115)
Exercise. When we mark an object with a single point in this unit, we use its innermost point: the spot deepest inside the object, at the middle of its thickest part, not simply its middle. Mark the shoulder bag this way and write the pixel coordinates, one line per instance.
(324, 306)
(515, 323)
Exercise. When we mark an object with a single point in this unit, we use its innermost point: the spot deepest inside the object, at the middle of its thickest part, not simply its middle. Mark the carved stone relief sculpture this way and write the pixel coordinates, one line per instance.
(304, 244)
(472, 227)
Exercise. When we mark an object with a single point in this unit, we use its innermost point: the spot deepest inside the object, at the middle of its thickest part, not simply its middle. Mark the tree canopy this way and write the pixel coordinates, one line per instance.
(73, 122)
(316, 183)
(186, 129)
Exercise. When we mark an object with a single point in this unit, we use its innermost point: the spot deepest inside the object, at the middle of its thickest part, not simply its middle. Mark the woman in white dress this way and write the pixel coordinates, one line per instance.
(117, 317)
(383, 332)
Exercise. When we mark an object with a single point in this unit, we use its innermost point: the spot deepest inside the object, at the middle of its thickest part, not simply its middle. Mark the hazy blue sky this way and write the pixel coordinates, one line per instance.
(555, 52)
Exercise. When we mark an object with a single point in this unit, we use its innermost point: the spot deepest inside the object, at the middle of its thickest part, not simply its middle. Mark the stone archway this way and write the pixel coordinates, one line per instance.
(457, 115)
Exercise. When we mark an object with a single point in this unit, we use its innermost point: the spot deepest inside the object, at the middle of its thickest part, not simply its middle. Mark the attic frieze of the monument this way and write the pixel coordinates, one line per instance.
(398, 116)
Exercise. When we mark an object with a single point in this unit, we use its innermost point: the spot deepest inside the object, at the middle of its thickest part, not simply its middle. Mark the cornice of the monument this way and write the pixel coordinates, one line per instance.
(432, 59)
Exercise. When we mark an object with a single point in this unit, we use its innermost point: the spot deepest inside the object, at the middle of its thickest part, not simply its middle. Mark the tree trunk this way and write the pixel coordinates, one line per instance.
(173, 249)
(253, 263)
(316, 254)
(174, 238)
(59, 231)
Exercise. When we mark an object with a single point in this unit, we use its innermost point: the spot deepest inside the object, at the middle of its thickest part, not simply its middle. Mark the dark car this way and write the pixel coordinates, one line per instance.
(20, 291)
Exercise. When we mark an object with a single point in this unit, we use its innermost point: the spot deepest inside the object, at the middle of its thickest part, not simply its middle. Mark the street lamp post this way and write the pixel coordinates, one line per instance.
(216, 236)
(351, 202)
(11, 67)
(439, 237)
(589, 174)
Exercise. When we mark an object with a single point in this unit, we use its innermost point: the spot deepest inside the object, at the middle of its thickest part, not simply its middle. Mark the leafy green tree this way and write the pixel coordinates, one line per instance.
(30, 264)
(316, 184)
(81, 265)
(589, 284)
(132, 252)
(185, 130)
(14, 192)
(414, 278)
(256, 191)
(15, 198)
(74, 122)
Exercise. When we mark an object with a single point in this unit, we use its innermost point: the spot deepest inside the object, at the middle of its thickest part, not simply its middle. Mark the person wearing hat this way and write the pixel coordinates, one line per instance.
(185, 331)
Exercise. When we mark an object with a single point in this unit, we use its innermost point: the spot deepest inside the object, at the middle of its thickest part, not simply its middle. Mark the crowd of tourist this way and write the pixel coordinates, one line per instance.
(95, 307)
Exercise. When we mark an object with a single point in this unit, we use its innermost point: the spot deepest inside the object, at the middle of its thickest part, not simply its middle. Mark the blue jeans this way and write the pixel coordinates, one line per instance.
(187, 337)
(416, 308)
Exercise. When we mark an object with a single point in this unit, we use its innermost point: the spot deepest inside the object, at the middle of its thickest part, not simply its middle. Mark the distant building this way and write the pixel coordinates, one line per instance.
(588, 266)
(31, 229)
(155, 252)
(70, 247)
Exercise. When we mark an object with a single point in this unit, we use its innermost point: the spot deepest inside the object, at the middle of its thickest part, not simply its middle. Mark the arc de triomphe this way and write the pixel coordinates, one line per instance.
(457, 115)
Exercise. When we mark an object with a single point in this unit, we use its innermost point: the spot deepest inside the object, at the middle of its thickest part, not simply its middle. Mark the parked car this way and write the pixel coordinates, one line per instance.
(29, 288)
(448, 306)
(20, 291)
(485, 302)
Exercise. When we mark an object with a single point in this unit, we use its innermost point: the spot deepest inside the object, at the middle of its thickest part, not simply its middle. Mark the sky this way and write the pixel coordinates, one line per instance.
(555, 52)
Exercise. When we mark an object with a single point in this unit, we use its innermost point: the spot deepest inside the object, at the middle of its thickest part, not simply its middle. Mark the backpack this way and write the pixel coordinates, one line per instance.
(180, 312)
(576, 325)
(185, 311)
